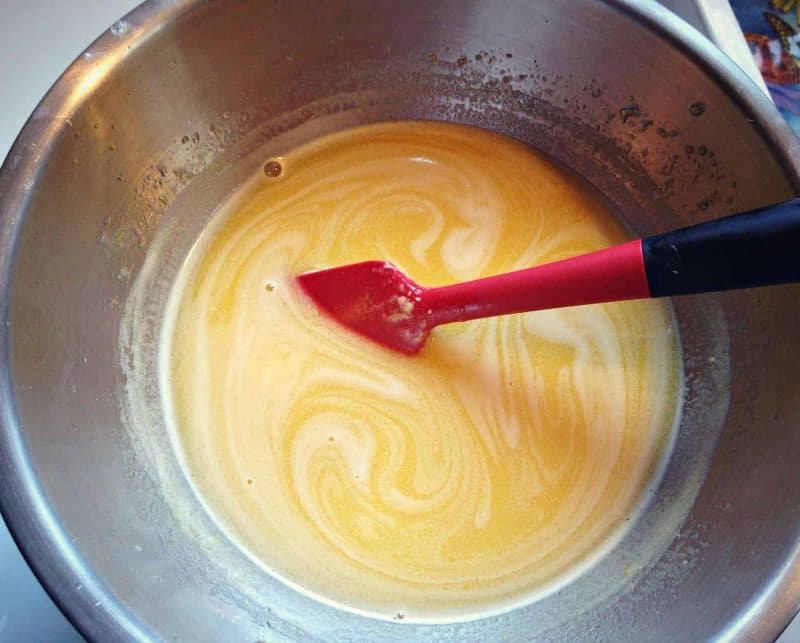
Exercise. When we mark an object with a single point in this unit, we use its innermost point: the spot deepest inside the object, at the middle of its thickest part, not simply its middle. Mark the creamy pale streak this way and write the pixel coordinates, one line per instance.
(473, 477)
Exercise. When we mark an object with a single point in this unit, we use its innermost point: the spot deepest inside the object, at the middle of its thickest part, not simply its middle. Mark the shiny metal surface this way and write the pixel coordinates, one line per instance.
(161, 118)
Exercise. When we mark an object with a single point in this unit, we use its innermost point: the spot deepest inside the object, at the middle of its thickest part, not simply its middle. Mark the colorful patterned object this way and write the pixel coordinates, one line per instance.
(772, 32)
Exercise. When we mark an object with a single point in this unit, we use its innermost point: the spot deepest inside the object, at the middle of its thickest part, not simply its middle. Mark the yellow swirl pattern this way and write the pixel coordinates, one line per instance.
(467, 479)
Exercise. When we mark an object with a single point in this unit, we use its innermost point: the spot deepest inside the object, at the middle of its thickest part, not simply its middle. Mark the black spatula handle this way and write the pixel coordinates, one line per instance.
(757, 248)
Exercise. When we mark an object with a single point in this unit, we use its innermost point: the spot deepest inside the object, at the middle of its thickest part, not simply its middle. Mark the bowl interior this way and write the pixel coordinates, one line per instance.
(128, 157)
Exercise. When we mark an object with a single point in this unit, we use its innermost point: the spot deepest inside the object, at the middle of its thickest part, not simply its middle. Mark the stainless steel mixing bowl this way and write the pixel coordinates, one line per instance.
(147, 132)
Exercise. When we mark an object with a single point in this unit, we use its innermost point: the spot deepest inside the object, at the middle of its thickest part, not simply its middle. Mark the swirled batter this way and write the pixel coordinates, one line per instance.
(486, 470)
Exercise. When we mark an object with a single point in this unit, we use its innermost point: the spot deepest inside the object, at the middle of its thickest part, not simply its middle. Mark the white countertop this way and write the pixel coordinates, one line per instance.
(39, 39)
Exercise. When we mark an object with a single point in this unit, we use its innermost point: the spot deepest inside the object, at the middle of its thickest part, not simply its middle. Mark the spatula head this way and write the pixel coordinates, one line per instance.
(373, 298)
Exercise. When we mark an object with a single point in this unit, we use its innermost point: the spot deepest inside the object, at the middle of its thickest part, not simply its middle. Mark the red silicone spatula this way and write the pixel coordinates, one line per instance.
(377, 300)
